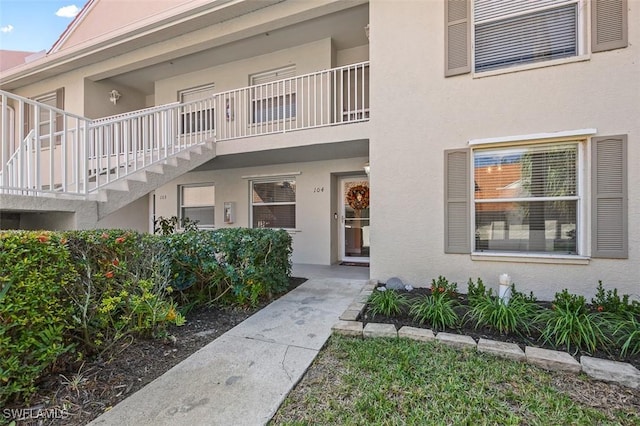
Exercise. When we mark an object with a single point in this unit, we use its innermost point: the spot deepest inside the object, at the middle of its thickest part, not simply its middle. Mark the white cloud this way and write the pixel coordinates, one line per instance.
(7, 28)
(68, 11)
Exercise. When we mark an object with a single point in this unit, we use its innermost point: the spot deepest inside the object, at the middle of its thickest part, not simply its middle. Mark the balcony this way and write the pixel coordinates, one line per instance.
(46, 150)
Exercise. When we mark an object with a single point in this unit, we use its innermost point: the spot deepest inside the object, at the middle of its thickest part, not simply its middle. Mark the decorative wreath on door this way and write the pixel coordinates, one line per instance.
(358, 197)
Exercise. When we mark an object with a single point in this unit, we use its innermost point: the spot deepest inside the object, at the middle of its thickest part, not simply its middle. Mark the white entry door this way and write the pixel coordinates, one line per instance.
(354, 230)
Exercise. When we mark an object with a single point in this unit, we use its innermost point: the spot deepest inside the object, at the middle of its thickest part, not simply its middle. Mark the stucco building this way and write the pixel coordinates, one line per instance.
(457, 138)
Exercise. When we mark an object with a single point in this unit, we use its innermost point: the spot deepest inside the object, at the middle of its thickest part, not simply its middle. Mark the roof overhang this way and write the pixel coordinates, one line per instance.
(192, 18)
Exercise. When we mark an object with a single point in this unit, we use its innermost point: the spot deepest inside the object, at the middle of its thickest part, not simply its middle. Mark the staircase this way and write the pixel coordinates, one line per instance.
(123, 191)
(113, 160)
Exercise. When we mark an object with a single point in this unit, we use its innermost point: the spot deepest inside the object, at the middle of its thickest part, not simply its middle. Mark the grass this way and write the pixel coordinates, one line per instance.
(403, 382)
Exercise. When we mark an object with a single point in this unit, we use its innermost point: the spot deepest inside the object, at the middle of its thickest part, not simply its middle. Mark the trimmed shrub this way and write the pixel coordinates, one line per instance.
(234, 265)
(86, 290)
(122, 287)
(34, 314)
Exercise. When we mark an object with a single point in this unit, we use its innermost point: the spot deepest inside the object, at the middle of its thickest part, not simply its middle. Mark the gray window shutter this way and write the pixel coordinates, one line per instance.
(60, 105)
(457, 38)
(609, 226)
(457, 199)
(609, 25)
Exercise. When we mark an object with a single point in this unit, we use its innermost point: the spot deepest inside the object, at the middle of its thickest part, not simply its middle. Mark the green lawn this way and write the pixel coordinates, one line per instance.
(398, 382)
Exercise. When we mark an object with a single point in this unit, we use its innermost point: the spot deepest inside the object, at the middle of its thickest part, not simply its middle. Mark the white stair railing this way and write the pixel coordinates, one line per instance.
(18, 169)
(41, 147)
(124, 144)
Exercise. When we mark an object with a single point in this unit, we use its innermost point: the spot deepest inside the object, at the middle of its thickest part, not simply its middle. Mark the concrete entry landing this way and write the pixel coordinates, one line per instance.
(330, 271)
(242, 377)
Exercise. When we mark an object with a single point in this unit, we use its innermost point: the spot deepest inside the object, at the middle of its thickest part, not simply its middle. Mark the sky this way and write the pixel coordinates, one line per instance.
(34, 25)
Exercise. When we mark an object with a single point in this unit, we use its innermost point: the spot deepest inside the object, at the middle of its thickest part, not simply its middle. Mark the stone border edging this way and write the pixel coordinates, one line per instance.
(617, 372)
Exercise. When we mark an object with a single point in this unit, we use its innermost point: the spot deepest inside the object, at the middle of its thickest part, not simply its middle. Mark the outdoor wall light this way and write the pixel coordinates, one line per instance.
(367, 168)
(114, 95)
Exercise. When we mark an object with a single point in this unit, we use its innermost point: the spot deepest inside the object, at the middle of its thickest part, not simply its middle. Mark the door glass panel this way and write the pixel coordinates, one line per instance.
(356, 220)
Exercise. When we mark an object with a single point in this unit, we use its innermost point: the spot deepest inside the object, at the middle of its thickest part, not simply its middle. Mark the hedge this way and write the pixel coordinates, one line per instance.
(79, 292)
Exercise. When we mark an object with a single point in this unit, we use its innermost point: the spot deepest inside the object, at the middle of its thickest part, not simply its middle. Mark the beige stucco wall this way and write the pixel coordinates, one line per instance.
(315, 230)
(306, 58)
(419, 114)
(98, 105)
(133, 216)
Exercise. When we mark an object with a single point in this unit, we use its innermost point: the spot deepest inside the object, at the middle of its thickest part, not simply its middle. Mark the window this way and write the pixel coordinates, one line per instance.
(514, 32)
(197, 114)
(47, 119)
(508, 33)
(527, 199)
(273, 96)
(197, 203)
(273, 204)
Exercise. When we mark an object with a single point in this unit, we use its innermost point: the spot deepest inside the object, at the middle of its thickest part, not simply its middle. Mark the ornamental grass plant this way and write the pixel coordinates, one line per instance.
(627, 334)
(437, 310)
(386, 302)
(516, 316)
(570, 324)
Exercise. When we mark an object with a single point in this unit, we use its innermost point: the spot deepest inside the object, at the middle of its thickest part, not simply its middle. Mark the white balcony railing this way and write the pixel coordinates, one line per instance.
(47, 150)
(335, 96)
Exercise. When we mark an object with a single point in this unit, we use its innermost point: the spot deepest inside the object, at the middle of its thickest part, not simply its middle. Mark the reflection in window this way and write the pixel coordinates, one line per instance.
(526, 199)
(197, 203)
(273, 204)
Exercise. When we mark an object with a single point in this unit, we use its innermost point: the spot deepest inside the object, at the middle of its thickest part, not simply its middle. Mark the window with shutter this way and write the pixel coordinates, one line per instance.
(509, 33)
(273, 203)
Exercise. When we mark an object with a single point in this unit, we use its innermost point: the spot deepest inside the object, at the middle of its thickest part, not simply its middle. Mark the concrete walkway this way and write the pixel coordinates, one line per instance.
(242, 377)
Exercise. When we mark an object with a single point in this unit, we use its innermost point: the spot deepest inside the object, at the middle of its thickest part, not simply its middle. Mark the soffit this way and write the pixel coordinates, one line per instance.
(319, 152)
(345, 28)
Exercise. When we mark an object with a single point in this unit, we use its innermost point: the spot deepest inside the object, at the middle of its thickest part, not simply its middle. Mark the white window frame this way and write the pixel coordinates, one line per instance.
(49, 99)
(264, 91)
(582, 37)
(181, 204)
(252, 182)
(205, 120)
(582, 227)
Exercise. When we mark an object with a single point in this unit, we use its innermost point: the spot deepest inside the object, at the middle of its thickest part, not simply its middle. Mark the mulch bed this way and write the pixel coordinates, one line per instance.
(82, 392)
(483, 332)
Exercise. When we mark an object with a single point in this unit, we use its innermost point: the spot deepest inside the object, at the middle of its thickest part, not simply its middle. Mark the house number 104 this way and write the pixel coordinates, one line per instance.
(318, 189)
